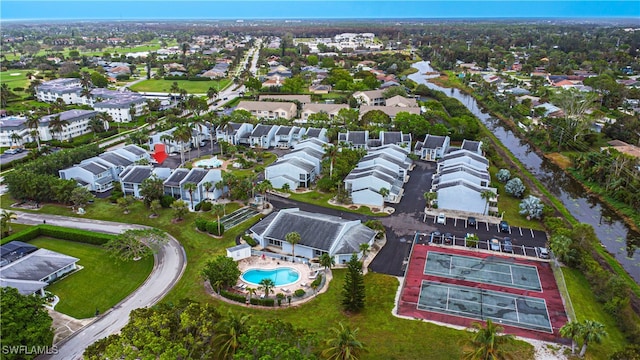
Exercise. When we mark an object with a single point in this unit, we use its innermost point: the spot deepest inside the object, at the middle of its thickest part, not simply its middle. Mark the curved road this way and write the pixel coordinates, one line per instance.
(169, 265)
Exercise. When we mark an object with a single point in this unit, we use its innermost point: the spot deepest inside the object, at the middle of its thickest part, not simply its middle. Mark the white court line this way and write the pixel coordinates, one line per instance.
(515, 303)
(511, 273)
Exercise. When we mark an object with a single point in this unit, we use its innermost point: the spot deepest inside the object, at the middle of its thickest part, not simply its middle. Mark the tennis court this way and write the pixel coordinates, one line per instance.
(489, 270)
(504, 308)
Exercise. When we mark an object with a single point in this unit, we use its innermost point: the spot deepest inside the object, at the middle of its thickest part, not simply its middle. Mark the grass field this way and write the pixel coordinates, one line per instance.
(15, 79)
(154, 45)
(322, 199)
(192, 87)
(102, 283)
(588, 308)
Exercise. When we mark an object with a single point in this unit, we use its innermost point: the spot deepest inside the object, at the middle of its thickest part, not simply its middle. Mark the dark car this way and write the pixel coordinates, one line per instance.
(436, 236)
(504, 226)
(448, 238)
(507, 245)
(471, 221)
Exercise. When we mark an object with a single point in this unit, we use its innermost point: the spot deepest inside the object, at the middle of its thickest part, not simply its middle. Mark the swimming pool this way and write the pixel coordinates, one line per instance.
(280, 276)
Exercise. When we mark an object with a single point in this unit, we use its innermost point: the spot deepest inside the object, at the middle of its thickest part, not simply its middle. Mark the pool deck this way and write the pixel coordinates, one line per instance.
(256, 262)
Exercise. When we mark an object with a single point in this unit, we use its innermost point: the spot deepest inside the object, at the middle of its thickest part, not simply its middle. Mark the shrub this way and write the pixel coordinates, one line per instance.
(212, 228)
(299, 293)
(317, 282)
(262, 302)
(279, 296)
(503, 175)
(206, 206)
(76, 235)
(166, 201)
(201, 224)
(233, 296)
(198, 206)
(250, 240)
(515, 187)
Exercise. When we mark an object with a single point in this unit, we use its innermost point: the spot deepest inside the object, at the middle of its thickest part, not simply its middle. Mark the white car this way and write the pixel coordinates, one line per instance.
(441, 219)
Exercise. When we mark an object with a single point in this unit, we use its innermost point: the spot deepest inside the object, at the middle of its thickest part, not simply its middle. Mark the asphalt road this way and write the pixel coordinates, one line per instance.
(169, 265)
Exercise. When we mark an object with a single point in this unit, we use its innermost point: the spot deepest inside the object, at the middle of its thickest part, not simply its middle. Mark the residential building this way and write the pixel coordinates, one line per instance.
(283, 137)
(395, 138)
(14, 125)
(263, 136)
(400, 166)
(331, 110)
(78, 124)
(132, 177)
(365, 184)
(312, 143)
(174, 185)
(319, 234)
(315, 133)
(354, 139)
(67, 89)
(433, 147)
(473, 146)
(302, 99)
(371, 97)
(234, 133)
(120, 108)
(307, 153)
(93, 174)
(401, 101)
(391, 111)
(269, 110)
(30, 269)
(295, 171)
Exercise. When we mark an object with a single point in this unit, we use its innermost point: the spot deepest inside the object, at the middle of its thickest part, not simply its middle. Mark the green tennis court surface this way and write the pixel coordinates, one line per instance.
(504, 308)
(490, 270)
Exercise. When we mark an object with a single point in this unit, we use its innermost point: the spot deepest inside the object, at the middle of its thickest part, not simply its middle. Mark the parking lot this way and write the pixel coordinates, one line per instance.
(454, 231)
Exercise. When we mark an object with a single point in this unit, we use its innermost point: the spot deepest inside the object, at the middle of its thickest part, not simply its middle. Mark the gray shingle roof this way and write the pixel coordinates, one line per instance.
(353, 237)
(465, 153)
(93, 168)
(388, 158)
(433, 141)
(309, 151)
(115, 159)
(357, 137)
(176, 177)
(316, 230)
(471, 145)
(261, 130)
(284, 130)
(392, 137)
(297, 162)
(37, 265)
(313, 132)
(137, 174)
(196, 175)
(135, 150)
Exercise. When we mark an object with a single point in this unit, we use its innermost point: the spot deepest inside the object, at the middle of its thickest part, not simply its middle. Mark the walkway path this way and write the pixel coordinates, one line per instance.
(169, 265)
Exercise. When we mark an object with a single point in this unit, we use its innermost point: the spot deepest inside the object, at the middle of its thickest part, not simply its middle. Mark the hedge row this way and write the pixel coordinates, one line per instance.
(262, 302)
(209, 226)
(233, 296)
(76, 235)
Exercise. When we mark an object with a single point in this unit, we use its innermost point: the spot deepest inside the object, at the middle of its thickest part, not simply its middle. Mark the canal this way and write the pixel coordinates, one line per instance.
(613, 233)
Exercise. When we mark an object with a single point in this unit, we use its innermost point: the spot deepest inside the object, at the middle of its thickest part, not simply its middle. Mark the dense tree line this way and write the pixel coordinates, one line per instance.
(38, 180)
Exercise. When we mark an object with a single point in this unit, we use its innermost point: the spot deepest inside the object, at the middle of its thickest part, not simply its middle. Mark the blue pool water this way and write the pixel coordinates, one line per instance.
(280, 276)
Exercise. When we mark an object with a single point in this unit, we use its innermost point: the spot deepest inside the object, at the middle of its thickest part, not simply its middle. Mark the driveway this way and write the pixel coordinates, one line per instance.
(169, 265)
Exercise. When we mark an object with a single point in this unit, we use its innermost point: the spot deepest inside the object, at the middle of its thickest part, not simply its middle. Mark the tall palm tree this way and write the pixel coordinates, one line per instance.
(96, 125)
(57, 125)
(331, 152)
(571, 330)
(207, 185)
(217, 210)
(293, 238)
(182, 134)
(267, 285)
(384, 192)
(487, 195)
(343, 345)
(251, 291)
(591, 331)
(152, 120)
(5, 219)
(33, 122)
(485, 343)
(229, 331)
(190, 187)
(429, 196)
(364, 248)
(212, 92)
(5, 93)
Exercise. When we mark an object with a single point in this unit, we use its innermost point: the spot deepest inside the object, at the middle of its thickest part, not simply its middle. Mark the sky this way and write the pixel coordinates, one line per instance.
(314, 9)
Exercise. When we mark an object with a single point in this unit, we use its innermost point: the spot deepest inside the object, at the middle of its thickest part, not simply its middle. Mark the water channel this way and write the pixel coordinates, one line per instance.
(613, 233)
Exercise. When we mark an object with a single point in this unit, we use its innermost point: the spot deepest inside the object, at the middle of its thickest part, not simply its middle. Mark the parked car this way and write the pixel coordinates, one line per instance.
(436, 236)
(471, 221)
(543, 252)
(504, 226)
(448, 238)
(11, 152)
(441, 219)
(507, 245)
(494, 244)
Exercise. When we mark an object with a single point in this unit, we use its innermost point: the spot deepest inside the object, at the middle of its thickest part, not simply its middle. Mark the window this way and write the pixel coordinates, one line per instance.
(318, 253)
(275, 242)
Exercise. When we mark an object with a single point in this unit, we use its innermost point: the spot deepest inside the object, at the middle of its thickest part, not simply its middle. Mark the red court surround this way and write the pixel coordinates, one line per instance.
(415, 274)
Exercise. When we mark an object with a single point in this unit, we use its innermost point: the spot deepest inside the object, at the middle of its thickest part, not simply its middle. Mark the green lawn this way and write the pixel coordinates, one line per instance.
(102, 283)
(588, 308)
(14, 79)
(511, 206)
(322, 199)
(154, 45)
(192, 87)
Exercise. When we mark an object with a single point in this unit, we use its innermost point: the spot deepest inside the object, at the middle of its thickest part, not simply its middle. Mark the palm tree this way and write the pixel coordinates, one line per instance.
(175, 88)
(15, 138)
(132, 112)
(327, 260)
(5, 219)
(429, 196)
(267, 285)
(212, 92)
(207, 185)
(5, 93)
(152, 120)
(229, 331)
(190, 187)
(57, 125)
(218, 209)
(343, 345)
(331, 152)
(264, 187)
(364, 248)
(251, 291)
(33, 122)
(571, 330)
(485, 343)
(96, 125)
(182, 133)
(591, 331)
(293, 238)
(487, 195)
(384, 192)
